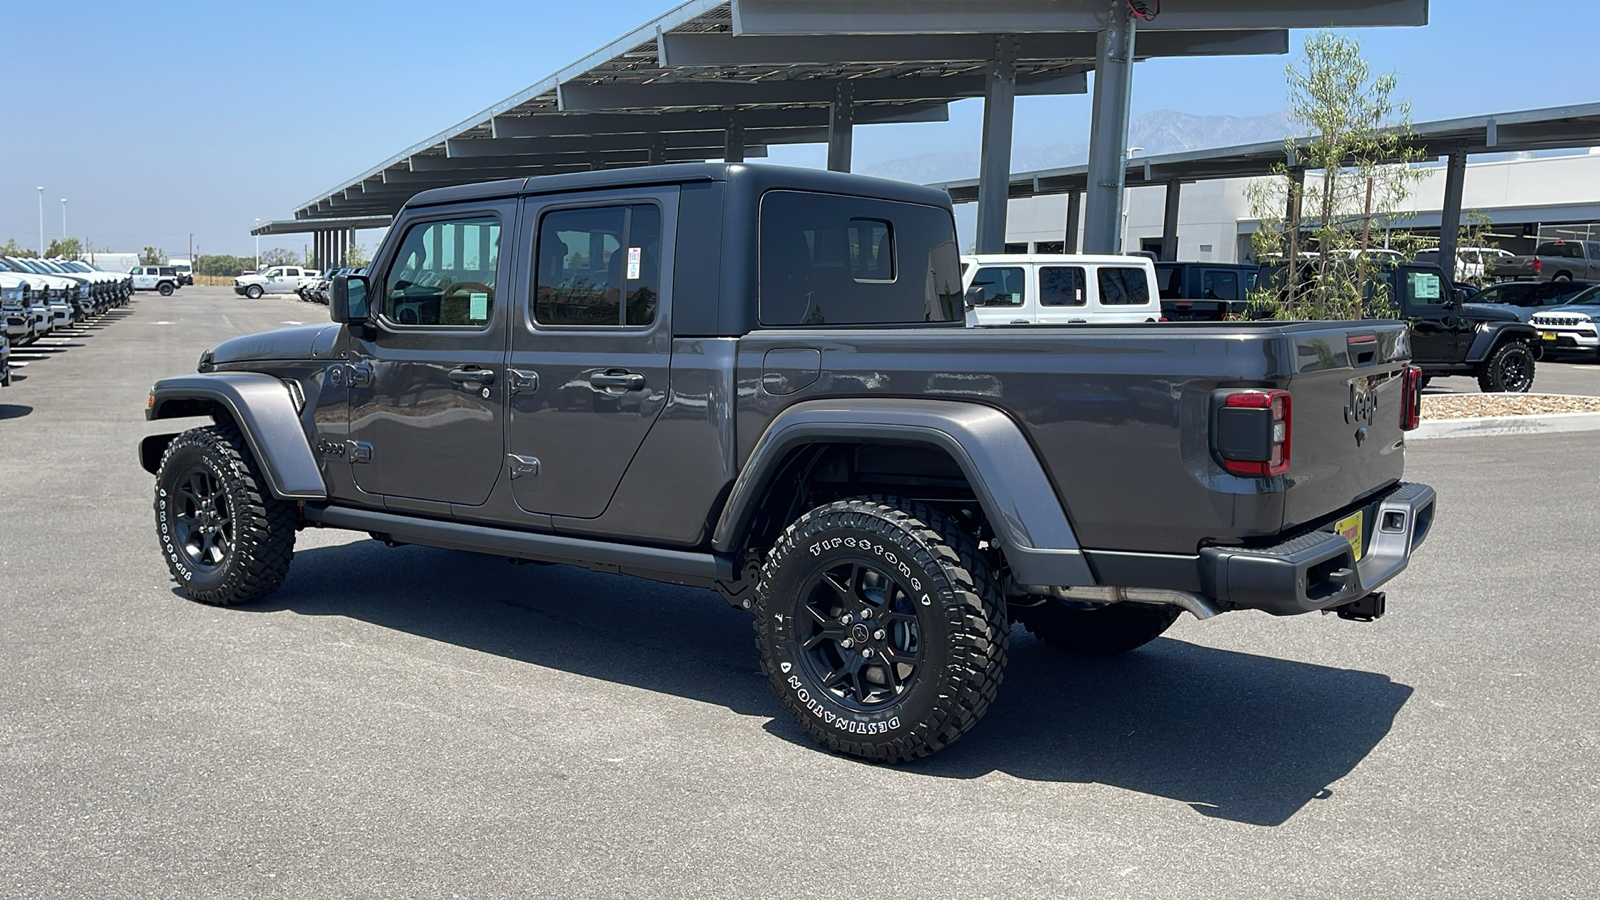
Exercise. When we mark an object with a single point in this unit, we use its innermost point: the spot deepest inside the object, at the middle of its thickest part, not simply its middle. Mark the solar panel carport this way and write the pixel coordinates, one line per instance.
(711, 79)
(1554, 128)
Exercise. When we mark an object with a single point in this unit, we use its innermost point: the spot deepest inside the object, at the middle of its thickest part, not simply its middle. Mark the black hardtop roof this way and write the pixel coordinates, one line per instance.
(760, 178)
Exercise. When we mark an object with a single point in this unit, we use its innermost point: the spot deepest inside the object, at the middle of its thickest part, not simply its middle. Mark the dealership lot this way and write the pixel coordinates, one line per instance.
(421, 722)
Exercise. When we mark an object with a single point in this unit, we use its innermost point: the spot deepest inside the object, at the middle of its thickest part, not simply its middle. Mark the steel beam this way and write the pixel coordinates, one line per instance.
(994, 170)
(773, 17)
(733, 138)
(720, 49)
(589, 124)
(574, 96)
(1169, 222)
(1108, 135)
(841, 127)
(530, 162)
(1074, 220)
(1455, 177)
(709, 143)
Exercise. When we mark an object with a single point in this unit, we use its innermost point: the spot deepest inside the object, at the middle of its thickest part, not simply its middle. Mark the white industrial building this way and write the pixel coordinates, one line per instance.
(1525, 197)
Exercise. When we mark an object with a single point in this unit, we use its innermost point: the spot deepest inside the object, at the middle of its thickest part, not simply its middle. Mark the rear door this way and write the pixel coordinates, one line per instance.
(1063, 295)
(427, 383)
(591, 346)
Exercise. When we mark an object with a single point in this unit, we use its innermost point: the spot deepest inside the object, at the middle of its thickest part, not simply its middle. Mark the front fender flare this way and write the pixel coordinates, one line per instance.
(264, 410)
(1491, 336)
(991, 450)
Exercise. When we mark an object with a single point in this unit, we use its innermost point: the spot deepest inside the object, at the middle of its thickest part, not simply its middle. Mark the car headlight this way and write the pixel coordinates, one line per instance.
(11, 293)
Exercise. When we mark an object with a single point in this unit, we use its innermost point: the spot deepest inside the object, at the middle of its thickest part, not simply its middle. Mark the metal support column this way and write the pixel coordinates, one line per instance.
(1455, 176)
(733, 142)
(1074, 220)
(658, 151)
(841, 125)
(994, 172)
(1169, 222)
(1108, 137)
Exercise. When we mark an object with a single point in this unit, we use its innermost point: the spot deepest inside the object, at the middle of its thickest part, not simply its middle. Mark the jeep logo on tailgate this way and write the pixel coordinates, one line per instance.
(1363, 404)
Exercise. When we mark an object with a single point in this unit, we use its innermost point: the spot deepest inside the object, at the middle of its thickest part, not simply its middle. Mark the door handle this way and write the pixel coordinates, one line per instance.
(1018, 322)
(472, 375)
(615, 378)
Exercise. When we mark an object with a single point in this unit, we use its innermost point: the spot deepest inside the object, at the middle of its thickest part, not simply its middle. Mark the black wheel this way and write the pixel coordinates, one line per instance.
(880, 628)
(226, 539)
(253, 292)
(1562, 276)
(1508, 369)
(1098, 631)
(165, 288)
(1422, 384)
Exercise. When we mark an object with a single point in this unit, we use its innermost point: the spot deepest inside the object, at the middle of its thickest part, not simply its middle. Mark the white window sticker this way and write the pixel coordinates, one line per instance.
(633, 263)
(479, 307)
(1425, 285)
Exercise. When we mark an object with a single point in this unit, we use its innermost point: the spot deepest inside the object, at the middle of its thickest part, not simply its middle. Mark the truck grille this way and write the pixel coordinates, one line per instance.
(1561, 320)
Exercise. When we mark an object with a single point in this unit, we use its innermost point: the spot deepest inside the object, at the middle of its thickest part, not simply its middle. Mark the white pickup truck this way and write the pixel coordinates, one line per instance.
(1060, 289)
(276, 280)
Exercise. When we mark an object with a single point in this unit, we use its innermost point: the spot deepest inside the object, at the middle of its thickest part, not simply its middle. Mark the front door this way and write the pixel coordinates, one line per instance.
(998, 296)
(427, 388)
(590, 350)
(1426, 302)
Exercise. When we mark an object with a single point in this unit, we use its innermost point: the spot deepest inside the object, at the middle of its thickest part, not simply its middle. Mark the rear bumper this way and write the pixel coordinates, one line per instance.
(1316, 571)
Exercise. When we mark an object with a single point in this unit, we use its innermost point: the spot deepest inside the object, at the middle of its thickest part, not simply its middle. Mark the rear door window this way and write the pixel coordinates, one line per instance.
(1062, 286)
(1123, 286)
(997, 286)
(599, 266)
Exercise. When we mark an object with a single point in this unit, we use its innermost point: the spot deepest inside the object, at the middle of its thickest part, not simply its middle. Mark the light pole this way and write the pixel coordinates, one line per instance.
(63, 220)
(41, 221)
(258, 246)
(1122, 239)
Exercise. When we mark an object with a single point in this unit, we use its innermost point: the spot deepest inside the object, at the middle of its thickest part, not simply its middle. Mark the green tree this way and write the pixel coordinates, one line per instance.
(1356, 166)
(12, 248)
(152, 256)
(277, 256)
(223, 264)
(356, 255)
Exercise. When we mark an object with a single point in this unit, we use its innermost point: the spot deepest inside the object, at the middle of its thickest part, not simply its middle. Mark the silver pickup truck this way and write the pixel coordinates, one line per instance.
(1551, 261)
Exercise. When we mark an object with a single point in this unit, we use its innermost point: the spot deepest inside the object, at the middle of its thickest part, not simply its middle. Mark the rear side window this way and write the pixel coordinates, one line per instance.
(1123, 286)
(996, 286)
(444, 274)
(1062, 286)
(1219, 284)
(832, 260)
(1570, 251)
(1170, 280)
(599, 266)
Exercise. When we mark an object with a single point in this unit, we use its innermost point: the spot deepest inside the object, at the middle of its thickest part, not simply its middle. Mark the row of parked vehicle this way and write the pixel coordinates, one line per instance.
(315, 290)
(40, 297)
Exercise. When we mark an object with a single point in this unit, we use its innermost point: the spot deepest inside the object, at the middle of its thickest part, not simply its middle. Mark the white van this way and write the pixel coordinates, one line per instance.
(1059, 289)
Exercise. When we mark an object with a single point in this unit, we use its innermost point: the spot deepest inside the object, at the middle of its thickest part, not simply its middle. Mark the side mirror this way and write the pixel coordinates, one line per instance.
(973, 295)
(347, 302)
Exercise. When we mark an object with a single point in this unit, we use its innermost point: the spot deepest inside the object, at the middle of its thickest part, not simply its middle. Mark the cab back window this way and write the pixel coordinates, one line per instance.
(832, 260)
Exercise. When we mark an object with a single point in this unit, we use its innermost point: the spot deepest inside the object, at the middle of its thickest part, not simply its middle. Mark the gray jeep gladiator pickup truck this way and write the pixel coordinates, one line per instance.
(758, 380)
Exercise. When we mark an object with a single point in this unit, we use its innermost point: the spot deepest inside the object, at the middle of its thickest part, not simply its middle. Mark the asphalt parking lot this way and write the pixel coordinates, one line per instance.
(416, 722)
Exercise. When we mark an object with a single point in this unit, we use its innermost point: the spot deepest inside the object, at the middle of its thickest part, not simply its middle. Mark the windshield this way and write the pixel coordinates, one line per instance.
(1588, 297)
(1532, 293)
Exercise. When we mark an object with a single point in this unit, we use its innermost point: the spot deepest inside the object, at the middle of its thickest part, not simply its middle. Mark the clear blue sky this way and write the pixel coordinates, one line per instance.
(157, 119)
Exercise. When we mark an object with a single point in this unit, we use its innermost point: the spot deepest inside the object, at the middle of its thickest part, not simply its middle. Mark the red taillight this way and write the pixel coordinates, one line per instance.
(1538, 265)
(1254, 430)
(1411, 399)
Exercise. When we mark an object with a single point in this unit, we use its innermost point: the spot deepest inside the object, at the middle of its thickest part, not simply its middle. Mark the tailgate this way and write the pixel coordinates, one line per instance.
(1346, 440)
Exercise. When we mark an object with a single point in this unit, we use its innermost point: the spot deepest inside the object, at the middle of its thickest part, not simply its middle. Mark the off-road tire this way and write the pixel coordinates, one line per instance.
(1107, 631)
(1562, 276)
(939, 607)
(1509, 369)
(259, 528)
(164, 288)
(253, 292)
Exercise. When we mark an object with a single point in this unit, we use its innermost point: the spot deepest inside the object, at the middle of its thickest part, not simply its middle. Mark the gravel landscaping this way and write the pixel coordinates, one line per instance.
(1473, 406)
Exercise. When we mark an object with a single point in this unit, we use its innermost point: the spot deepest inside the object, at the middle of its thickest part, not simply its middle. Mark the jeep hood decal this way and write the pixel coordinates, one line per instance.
(300, 342)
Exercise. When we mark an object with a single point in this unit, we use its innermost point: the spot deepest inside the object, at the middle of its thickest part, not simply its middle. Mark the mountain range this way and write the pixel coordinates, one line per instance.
(1157, 132)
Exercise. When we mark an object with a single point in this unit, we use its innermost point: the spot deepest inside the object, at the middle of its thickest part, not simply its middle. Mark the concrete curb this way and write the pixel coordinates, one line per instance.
(1546, 423)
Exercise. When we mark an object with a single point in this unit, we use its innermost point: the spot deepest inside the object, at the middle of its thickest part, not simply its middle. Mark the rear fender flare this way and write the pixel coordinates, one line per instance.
(263, 409)
(991, 450)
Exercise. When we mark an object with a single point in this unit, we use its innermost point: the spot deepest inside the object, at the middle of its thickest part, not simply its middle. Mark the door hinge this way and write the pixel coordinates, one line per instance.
(360, 452)
(522, 465)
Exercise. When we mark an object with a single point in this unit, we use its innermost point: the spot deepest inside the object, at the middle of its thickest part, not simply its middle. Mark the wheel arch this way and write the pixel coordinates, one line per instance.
(263, 410)
(987, 448)
(1490, 337)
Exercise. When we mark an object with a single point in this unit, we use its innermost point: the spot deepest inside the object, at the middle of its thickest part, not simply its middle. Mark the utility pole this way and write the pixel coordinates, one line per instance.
(258, 247)
(191, 251)
(63, 220)
(41, 221)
